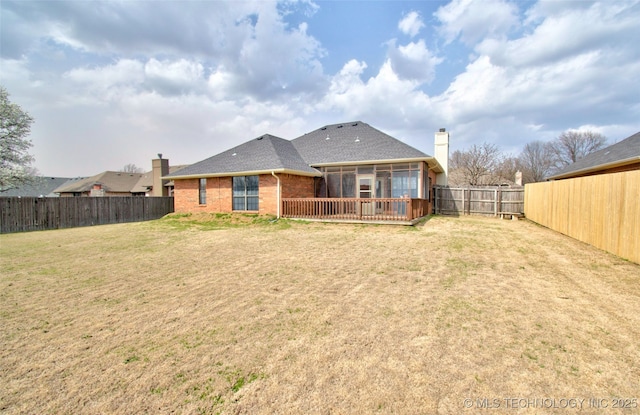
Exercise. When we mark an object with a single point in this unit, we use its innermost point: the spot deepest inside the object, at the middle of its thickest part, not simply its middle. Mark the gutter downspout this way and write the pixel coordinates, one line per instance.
(278, 194)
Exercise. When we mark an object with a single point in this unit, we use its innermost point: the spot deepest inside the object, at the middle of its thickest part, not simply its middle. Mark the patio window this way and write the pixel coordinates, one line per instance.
(245, 193)
(202, 192)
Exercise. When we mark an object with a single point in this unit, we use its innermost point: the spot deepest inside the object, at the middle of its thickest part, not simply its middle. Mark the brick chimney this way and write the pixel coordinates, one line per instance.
(160, 167)
(441, 153)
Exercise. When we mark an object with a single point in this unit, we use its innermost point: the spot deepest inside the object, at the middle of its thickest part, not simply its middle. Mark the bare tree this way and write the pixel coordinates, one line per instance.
(571, 146)
(131, 168)
(537, 160)
(475, 166)
(506, 169)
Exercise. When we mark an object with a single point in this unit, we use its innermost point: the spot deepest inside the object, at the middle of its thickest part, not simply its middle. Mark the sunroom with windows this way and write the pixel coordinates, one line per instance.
(390, 191)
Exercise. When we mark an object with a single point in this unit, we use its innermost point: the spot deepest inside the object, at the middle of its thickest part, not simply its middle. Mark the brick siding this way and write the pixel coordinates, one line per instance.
(219, 193)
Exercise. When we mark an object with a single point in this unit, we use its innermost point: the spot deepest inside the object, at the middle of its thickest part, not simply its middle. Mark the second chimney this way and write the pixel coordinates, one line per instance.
(441, 153)
(160, 167)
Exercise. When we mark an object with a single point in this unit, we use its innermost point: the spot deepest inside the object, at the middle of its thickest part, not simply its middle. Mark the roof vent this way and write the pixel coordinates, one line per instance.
(234, 154)
(357, 139)
(354, 124)
(328, 138)
(260, 138)
(323, 128)
(340, 126)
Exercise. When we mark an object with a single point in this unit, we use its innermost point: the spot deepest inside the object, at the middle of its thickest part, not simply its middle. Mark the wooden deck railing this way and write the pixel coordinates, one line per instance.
(355, 209)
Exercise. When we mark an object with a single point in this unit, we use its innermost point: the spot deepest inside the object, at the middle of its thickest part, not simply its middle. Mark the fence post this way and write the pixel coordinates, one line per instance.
(464, 205)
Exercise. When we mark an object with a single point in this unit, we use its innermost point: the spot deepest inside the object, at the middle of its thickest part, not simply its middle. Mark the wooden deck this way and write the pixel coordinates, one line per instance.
(396, 211)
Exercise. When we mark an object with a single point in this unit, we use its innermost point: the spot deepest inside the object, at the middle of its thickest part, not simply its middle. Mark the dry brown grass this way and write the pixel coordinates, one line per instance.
(178, 316)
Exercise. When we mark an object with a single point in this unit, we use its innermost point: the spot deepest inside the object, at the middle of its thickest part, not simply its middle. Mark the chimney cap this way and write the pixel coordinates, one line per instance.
(442, 130)
(160, 156)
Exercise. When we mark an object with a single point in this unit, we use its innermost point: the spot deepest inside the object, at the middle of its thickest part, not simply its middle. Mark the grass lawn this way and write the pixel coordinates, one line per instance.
(239, 315)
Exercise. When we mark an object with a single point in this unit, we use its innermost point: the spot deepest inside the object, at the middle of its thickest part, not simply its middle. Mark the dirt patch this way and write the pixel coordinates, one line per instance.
(248, 315)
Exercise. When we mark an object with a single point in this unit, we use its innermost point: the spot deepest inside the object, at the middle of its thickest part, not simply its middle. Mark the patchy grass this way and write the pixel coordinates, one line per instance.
(242, 314)
(217, 221)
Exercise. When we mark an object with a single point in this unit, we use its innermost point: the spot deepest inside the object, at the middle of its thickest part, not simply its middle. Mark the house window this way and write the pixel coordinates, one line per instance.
(202, 192)
(245, 193)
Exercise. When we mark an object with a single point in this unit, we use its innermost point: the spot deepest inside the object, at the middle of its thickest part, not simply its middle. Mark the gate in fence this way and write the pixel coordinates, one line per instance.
(488, 201)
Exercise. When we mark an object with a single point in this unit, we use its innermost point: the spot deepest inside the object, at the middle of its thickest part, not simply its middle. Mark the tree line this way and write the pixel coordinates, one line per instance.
(484, 164)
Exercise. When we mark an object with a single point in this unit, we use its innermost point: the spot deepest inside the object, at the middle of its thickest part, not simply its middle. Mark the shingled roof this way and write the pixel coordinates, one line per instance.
(111, 181)
(352, 142)
(40, 187)
(264, 154)
(622, 153)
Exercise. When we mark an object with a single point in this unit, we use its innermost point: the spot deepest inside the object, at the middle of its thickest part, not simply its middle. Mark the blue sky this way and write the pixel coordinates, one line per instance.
(111, 83)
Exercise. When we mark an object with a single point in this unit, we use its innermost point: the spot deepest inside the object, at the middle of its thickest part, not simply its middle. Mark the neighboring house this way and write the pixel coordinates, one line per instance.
(621, 156)
(108, 183)
(341, 162)
(118, 183)
(41, 187)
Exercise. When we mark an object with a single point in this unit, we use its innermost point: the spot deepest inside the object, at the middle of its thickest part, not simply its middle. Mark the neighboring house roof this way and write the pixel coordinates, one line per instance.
(42, 187)
(264, 154)
(348, 143)
(352, 142)
(622, 153)
(146, 181)
(110, 181)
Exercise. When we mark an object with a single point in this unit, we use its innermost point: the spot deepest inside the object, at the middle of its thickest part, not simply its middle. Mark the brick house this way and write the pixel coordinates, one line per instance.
(349, 171)
(107, 183)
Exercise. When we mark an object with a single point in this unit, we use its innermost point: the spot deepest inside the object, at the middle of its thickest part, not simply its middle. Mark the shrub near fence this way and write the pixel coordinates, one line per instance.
(20, 214)
(602, 210)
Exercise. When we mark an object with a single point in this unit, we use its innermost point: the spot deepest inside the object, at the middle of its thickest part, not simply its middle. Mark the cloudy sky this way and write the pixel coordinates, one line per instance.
(116, 82)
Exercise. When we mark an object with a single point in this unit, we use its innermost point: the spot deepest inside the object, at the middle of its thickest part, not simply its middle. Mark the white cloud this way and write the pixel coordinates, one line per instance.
(100, 85)
(174, 77)
(474, 20)
(573, 65)
(125, 71)
(275, 61)
(392, 102)
(413, 61)
(563, 35)
(411, 24)
(266, 57)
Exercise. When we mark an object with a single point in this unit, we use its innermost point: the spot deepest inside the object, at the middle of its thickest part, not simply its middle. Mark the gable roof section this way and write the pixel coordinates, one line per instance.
(261, 155)
(622, 153)
(111, 181)
(353, 142)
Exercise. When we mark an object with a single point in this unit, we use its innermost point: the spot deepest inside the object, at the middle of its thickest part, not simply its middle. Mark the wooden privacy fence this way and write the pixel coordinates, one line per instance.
(493, 201)
(19, 214)
(602, 210)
